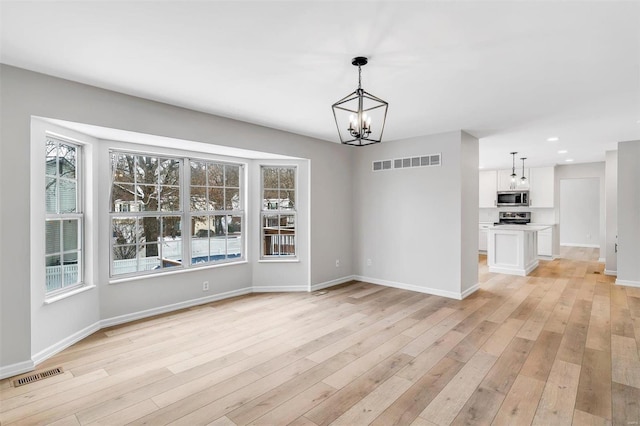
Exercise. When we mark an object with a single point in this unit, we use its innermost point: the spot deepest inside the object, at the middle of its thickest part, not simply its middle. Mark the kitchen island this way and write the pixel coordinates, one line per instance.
(513, 249)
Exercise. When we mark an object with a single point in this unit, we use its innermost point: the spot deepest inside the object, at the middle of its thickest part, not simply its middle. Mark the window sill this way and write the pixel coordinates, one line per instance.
(57, 297)
(279, 260)
(181, 271)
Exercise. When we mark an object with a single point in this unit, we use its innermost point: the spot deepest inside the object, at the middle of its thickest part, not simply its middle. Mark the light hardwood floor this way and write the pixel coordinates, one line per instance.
(559, 347)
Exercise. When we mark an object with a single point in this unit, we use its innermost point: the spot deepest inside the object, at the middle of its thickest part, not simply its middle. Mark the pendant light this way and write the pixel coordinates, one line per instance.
(523, 179)
(513, 171)
(360, 116)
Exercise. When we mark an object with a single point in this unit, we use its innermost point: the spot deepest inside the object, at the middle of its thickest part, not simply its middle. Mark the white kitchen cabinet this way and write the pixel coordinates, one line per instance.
(504, 179)
(545, 242)
(488, 182)
(541, 193)
(483, 231)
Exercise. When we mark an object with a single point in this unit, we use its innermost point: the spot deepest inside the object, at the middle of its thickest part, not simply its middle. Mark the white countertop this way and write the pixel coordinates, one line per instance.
(520, 227)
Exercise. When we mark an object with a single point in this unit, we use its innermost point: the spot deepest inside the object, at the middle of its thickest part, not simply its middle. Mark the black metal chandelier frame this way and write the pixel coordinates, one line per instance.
(360, 130)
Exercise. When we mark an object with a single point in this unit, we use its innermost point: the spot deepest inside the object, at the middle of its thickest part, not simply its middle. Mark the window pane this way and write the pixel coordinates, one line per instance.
(124, 231)
(287, 178)
(169, 198)
(216, 174)
(198, 173)
(52, 236)
(53, 273)
(216, 199)
(232, 176)
(270, 221)
(288, 198)
(199, 239)
(67, 196)
(171, 228)
(52, 160)
(123, 198)
(172, 254)
(150, 231)
(51, 195)
(146, 169)
(125, 260)
(148, 258)
(287, 222)
(234, 239)
(169, 171)
(70, 234)
(232, 199)
(271, 199)
(269, 177)
(123, 168)
(70, 269)
(147, 197)
(219, 224)
(67, 161)
(198, 199)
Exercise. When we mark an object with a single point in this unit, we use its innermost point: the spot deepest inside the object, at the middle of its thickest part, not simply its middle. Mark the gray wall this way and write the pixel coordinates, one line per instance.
(419, 225)
(24, 94)
(580, 212)
(629, 213)
(611, 212)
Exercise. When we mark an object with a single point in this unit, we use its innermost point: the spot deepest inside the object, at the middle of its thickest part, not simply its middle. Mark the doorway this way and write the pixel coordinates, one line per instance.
(580, 218)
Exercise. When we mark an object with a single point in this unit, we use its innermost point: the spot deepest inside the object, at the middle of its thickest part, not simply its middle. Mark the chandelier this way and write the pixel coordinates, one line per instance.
(360, 116)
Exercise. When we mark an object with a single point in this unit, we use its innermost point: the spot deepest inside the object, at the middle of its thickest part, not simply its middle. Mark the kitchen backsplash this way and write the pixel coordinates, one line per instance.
(544, 216)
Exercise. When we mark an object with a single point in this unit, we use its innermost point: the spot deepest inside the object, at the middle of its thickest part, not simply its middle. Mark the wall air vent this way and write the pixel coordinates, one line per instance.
(429, 160)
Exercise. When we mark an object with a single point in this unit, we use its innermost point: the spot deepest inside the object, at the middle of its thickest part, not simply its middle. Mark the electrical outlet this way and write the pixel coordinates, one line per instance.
(205, 286)
(337, 263)
(369, 263)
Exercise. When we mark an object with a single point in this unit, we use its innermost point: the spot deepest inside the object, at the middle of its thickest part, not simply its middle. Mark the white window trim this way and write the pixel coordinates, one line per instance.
(279, 258)
(184, 213)
(62, 292)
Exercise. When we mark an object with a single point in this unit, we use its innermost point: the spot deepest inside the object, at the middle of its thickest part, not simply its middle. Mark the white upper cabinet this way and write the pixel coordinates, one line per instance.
(488, 187)
(541, 190)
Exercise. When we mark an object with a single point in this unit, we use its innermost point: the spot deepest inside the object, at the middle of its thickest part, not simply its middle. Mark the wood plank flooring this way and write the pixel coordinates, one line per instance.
(558, 347)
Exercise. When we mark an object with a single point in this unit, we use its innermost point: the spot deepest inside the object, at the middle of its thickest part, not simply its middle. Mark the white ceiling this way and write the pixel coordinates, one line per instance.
(511, 73)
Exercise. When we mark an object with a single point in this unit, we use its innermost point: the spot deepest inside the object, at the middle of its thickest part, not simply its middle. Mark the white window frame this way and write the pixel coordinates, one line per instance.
(280, 212)
(184, 213)
(60, 217)
(212, 213)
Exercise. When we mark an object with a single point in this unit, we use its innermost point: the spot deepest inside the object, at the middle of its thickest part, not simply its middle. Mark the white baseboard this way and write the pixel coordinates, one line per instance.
(412, 287)
(580, 245)
(628, 283)
(278, 288)
(342, 280)
(121, 319)
(470, 291)
(64, 343)
(611, 273)
(15, 369)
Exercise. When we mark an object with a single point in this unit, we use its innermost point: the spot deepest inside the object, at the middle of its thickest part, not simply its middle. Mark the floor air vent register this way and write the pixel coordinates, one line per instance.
(35, 377)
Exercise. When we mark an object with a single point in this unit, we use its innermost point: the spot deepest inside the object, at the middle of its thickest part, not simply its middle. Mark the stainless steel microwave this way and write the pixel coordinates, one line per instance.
(513, 198)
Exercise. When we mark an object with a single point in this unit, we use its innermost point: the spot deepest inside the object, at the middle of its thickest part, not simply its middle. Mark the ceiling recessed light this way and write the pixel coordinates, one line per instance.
(562, 151)
(481, 167)
(553, 139)
(569, 160)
